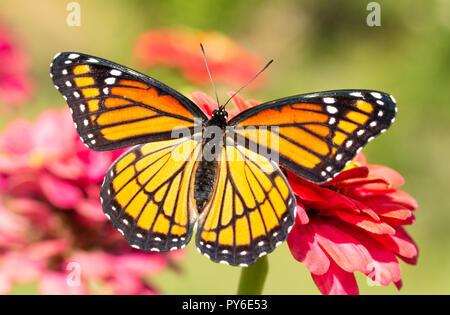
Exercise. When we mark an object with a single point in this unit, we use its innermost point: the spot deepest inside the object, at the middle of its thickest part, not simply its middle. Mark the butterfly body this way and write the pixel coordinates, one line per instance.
(217, 173)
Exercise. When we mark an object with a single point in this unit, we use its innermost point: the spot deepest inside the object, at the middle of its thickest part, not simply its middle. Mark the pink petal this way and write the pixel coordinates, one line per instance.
(30, 269)
(304, 247)
(400, 243)
(336, 282)
(5, 283)
(344, 249)
(397, 196)
(54, 283)
(394, 178)
(47, 249)
(94, 265)
(304, 192)
(13, 227)
(361, 159)
(365, 223)
(126, 284)
(398, 217)
(356, 172)
(16, 138)
(141, 264)
(92, 210)
(54, 134)
(242, 104)
(177, 255)
(383, 266)
(70, 168)
(34, 211)
(302, 216)
(95, 164)
(59, 192)
(204, 101)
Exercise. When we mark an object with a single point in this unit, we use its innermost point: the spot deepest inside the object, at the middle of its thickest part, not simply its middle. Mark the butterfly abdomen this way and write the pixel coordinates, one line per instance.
(205, 177)
(212, 144)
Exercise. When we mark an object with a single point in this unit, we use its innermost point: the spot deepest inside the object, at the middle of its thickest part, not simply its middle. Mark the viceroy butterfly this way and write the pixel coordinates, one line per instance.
(244, 207)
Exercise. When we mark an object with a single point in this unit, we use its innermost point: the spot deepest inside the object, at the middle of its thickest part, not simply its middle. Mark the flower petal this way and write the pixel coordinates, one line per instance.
(304, 247)
(56, 283)
(336, 281)
(366, 223)
(302, 216)
(204, 101)
(401, 244)
(383, 266)
(394, 178)
(344, 249)
(141, 264)
(59, 192)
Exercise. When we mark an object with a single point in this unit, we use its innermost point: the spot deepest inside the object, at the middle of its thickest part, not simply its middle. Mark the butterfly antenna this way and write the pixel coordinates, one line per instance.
(210, 77)
(249, 81)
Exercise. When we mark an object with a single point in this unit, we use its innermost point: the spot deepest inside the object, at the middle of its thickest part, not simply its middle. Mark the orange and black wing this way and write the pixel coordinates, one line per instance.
(250, 211)
(147, 194)
(316, 135)
(115, 107)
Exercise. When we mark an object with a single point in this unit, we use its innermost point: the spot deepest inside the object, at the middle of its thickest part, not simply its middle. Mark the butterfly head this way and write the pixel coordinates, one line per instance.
(219, 117)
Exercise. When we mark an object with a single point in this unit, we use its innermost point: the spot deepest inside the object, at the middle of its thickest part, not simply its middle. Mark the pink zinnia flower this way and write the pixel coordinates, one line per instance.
(15, 85)
(352, 223)
(180, 48)
(52, 227)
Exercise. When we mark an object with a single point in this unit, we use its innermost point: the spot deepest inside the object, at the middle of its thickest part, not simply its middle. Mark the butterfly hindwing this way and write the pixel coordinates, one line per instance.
(115, 107)
(317, 135)
(147, 194)
(250, 211)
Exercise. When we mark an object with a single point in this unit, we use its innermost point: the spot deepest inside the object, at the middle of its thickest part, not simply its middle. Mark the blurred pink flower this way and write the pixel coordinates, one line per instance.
(15, 85)
(51, 221)
(180, 48)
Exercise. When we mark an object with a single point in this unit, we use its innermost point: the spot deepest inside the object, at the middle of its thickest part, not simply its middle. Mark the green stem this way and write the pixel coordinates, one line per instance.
(253, 277)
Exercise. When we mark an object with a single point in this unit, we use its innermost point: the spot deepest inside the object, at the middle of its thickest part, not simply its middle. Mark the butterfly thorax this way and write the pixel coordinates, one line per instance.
(212, 143)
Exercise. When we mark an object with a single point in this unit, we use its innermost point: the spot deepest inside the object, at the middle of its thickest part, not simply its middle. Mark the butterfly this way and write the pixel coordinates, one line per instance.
(240, 202)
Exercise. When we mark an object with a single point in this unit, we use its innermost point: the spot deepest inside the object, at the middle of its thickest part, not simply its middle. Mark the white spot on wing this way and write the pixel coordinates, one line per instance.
(332, 109)
(110, 80)
(376, 94)
(115, 72)
(356, 94)
(329, 100)
(349, 143)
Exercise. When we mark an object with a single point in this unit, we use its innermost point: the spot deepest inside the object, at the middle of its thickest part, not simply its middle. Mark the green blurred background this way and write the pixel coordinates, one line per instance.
(317, 45)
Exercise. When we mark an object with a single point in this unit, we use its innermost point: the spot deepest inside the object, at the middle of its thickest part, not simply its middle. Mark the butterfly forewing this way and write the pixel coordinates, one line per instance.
(115, 107)
(318, 134)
